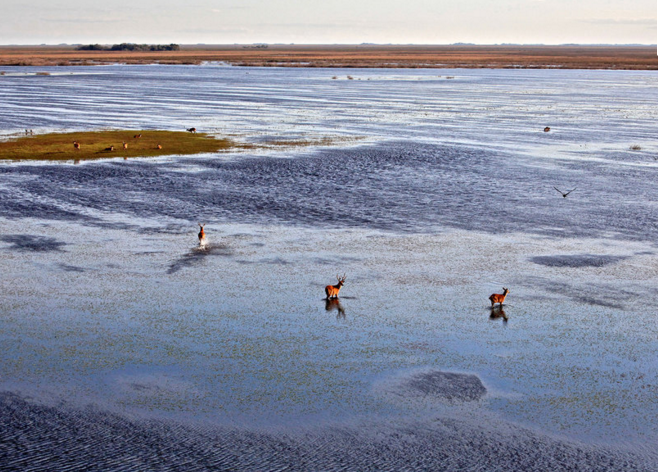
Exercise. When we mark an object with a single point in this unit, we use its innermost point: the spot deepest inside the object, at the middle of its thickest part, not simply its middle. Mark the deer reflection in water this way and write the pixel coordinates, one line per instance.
(332, 304)
(498, 312)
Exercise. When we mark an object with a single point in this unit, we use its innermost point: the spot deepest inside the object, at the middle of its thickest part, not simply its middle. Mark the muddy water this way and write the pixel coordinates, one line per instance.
(115, 323)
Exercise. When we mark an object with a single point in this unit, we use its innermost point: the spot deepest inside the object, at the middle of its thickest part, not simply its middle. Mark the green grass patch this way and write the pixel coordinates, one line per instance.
(106, 144)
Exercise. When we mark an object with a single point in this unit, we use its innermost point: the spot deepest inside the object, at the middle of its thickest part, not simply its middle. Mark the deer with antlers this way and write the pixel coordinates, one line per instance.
(498, 297)
(332, 290)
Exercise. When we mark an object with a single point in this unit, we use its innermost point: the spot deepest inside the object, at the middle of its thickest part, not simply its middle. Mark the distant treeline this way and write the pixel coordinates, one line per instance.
(129, 47)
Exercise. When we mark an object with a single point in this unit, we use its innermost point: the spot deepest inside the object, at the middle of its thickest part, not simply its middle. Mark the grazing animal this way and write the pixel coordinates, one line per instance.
(547, 129)
(498, 298)
(191, 130)
(76, 145)
(202, 235)
(159, 146)
(564, 194)
(111, 148)
(125, 145)
(332, 290)
(137, 136)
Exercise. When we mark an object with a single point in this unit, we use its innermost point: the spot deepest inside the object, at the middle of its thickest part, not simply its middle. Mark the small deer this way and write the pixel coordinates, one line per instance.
(191, 130)
(137, 136)
(159, 146)
(498, 298)
(111, 148)
(332, 290)
(202, 235)
(125, 145)
(547, 129)
(76, 145)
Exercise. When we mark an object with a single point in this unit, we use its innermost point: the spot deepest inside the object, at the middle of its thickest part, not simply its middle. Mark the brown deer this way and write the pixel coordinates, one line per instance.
(498, 298)
(137, 136)
(111, 148)
(159, 146)
(332, 290)
(202, 235)
(76, 145)
(547, 129)
(191, 130)
(125, 145)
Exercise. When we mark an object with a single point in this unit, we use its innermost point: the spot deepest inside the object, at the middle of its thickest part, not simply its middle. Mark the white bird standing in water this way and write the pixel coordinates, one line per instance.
(202, 236)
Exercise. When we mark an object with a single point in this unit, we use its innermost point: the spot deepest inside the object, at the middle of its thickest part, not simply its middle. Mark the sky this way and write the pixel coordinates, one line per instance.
(329, 21)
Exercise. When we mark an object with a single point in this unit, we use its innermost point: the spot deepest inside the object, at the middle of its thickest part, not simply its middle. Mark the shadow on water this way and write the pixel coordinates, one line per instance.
(497, 312)
(22, 242)
(577, 260)
(590, 294)
(334, 304)
(197, 255)
(70, 268)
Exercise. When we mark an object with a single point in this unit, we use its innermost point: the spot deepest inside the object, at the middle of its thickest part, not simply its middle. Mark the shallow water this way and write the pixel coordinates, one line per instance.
(446, 197)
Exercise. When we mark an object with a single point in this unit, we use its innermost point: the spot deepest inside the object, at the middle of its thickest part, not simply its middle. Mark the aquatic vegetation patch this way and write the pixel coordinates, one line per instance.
(110, 143)
(26, 242)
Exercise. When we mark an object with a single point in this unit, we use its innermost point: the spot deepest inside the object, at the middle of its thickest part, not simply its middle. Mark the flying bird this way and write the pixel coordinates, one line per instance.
(564, 194)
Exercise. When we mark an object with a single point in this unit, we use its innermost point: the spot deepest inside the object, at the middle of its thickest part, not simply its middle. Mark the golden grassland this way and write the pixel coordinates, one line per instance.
(466, 56)
(97, 144)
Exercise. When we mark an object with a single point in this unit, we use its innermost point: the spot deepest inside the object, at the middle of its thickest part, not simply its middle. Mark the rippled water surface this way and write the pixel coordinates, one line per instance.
(436, 190)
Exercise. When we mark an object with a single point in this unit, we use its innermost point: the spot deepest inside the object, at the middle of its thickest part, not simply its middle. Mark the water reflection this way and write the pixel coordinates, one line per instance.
(332, 304)
(497, 313)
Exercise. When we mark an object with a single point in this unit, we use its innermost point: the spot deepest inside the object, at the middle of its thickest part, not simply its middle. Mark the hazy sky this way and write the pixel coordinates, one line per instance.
(328, 21)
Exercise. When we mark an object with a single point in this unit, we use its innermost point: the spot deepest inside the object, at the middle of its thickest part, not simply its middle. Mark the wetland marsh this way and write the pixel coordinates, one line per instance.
(429, 194)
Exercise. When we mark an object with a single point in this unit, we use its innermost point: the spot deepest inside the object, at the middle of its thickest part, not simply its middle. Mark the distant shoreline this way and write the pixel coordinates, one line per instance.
(351, 56)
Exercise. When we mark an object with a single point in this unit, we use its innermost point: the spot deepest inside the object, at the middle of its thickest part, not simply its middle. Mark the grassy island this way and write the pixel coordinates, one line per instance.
(104, 144)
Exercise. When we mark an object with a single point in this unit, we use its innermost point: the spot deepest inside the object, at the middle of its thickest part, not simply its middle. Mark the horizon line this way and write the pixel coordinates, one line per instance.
(342, 44)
